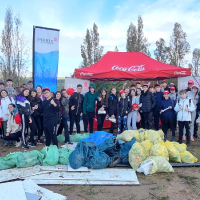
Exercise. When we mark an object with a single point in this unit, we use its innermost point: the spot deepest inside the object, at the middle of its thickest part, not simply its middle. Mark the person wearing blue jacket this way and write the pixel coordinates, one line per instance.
(168, 115)
(159, 97)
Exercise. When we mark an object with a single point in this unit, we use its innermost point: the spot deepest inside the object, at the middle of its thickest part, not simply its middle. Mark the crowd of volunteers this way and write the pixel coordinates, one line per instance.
(27, 112)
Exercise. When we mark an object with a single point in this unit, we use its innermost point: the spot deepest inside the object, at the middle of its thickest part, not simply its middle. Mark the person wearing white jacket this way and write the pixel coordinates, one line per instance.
(4, 112)
(184, 107)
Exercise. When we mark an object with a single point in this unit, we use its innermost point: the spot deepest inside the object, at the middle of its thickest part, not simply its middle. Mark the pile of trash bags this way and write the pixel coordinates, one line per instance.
(100, 150)
(151, 154)
(73, 138)
(47, 156)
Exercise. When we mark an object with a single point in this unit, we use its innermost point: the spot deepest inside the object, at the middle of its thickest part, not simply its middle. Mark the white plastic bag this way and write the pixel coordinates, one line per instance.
(113, 120)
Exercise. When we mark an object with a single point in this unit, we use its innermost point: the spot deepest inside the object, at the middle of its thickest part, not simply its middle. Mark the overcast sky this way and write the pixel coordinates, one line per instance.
(111, 16)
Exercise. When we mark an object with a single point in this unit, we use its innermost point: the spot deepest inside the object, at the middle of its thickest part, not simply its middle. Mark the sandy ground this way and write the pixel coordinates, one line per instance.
(183, 184)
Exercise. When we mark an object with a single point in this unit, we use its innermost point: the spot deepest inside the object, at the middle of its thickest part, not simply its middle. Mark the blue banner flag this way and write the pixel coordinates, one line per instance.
(45, 57)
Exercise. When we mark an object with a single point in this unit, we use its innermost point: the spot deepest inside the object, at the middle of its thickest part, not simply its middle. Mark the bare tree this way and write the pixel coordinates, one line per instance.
(196, 62)
(14, 57)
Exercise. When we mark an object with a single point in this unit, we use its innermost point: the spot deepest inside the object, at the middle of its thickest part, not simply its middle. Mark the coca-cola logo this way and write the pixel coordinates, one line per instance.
(135, 68)
(86, 74)
(180, 73)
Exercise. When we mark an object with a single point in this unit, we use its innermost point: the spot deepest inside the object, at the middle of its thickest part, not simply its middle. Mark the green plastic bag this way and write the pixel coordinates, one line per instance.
(9, 161)
(61, 138)
(28, 159)
(78, 137)
(52, 156)
(64, 155)
(44, 151)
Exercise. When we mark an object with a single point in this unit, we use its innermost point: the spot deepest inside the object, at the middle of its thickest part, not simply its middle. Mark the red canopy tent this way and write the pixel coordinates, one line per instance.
(119, 66)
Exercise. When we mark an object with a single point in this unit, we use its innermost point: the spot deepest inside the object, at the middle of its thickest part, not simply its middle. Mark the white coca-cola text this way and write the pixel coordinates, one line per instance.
(135, 68)
(86, 74)
(180, 73)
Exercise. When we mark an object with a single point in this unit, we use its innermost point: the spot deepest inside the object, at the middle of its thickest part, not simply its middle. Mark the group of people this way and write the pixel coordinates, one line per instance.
(40, 110)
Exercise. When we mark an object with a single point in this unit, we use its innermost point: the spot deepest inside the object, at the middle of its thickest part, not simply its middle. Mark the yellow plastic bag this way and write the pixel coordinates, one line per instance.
(141, 136)
(187, 157)
(180, 147)
(173, 152)
(128, 135)
(155, 164)
(159, 150)
(136, 155)
(147, 146)
(152, 135)
(161, 133)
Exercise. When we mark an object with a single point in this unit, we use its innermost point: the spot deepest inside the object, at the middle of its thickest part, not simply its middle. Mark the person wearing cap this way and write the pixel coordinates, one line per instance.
(173, 95)
(132, 116)
(124, 107)
(190, 84)
(10, 88)
(168, 115)
(89, 107)
(152, 89)
(50, 109)
(138, 85)
(193, 95)
(156, 113)
(112, 107)
(76, 108)
(164, 86)
(24, 109)
(132, 86)
(184, 107)
(148, 102)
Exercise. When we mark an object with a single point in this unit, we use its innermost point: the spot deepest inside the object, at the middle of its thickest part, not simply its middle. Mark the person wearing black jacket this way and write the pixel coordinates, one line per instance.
(102, 106)
(159, 97)
(50, 109)
(76, 109)
(24, 109)
(123, 108)
(148, 102)
(36, 107)
(112, 107)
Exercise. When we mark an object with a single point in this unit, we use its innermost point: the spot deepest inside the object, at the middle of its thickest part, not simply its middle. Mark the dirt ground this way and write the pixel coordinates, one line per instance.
(183, 184)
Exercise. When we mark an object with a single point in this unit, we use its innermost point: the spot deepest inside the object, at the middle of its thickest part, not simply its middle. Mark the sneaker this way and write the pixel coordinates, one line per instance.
(40, 142)
(31, 144)
(184, 138)
(18, 144)
(25, 146)
(69, 142)
(179, 141)
(7, 143)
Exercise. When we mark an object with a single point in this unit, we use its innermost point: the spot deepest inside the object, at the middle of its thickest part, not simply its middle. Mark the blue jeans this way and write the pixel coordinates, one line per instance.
(120, 121)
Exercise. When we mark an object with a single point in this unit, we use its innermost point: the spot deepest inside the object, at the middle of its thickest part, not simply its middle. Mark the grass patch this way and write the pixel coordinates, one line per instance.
(188, 178)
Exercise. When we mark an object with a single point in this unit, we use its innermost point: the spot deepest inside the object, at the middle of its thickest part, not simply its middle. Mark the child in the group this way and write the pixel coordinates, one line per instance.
(39, 91)
(184, 107)
(124, 107)
(24, 109)
(168, 116)
(50, 109)
(10, 88)
(156, 112)
(89, 107)
(173, 95)
(4, 112)
(2, 86)
(14, 127)
(102, 106)
(132, 116)
(112, 107)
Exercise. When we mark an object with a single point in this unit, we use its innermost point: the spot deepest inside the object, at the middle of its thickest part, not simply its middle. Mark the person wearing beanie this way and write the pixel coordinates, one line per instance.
(148, 102)
(132, 116)
(168, 115)
(89, 107)
(184, 107)
(76, 108)
(50, 109)
(156, 112)
(124, 107)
